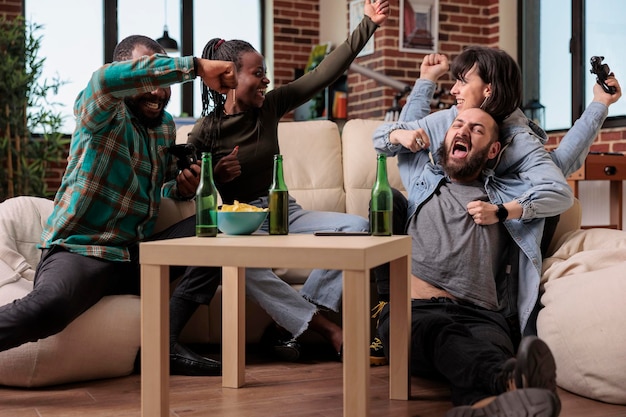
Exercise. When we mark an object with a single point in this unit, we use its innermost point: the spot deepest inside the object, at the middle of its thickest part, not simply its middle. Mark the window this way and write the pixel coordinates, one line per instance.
(73, 51)
(557, 44)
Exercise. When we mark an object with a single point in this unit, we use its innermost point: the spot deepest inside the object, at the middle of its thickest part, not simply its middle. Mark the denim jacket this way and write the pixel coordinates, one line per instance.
(523, 171)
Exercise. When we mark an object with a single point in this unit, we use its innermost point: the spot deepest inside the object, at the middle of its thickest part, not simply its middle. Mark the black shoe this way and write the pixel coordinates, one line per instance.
(185, 362)
(535, 367)
(377, 353)
(280, 344)
(287, 350)
(529, 402)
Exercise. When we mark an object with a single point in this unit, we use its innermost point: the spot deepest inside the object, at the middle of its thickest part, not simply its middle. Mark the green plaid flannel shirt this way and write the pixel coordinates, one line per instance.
(110, 193)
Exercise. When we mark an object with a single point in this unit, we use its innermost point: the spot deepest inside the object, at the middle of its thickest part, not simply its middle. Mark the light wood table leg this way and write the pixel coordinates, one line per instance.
(233, 327)
(356, 340)
(155, 349)
(399, 329)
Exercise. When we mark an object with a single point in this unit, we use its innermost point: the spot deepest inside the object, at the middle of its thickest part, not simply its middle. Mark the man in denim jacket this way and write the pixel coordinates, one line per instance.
(461, 272)
(521, 178)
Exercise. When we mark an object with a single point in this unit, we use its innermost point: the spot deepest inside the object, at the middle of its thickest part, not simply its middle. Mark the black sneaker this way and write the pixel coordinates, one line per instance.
(527, 402)
(377, 352)
(279, 344)
(535, 367)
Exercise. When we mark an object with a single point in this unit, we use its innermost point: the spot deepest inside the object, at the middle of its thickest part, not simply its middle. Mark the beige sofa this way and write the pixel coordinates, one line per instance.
(581, 321)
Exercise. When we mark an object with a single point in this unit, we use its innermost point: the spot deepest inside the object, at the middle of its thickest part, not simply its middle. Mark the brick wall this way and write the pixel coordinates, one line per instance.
(460, 24)
(296, 30)
(10, 8)
(609, 140)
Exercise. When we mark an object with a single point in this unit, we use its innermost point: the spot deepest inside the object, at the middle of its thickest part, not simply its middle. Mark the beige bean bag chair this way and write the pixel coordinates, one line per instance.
(102, 343)
(584, 318)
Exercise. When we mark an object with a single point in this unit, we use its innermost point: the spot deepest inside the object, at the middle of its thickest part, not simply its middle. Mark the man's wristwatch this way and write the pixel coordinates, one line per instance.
(502, 213)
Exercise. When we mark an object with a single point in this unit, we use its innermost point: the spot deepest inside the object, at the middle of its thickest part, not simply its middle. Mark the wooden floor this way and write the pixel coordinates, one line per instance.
(311, 389)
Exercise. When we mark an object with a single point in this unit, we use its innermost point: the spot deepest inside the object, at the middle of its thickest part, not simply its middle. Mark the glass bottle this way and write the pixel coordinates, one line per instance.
(381, 201)
(206, 200)
(278, 200)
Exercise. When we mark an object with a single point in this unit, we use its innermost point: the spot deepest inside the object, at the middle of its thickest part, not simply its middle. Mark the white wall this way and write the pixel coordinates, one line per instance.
(594, 202)
(333, 21)
(508, 26)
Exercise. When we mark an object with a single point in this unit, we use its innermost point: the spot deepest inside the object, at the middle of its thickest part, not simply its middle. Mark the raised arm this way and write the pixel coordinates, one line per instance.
(417, 105)
(289, 96)
(570, 155)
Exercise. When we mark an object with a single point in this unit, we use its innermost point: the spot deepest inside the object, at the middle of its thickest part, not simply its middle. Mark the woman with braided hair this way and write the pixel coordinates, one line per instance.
(240, 130)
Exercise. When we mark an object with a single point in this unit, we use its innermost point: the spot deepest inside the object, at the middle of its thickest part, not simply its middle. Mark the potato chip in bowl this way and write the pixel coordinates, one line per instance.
(240, 218)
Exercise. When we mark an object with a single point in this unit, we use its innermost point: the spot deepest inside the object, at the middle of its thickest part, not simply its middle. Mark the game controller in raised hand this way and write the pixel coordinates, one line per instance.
(602, 72)
(185, 155)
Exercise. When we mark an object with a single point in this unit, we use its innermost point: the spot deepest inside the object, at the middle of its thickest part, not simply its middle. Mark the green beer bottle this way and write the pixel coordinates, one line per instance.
(381, 201)
(279, 200)
(206, 200)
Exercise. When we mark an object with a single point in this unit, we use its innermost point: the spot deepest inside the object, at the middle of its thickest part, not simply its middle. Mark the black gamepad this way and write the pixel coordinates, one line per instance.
(602, 72)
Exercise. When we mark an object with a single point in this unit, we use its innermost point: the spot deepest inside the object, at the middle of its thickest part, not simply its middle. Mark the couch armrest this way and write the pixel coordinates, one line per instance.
(569, 221)
(172, 211)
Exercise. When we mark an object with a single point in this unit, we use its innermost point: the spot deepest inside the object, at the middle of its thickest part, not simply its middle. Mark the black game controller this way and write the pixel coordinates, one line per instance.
(602, 72)
(185, 155)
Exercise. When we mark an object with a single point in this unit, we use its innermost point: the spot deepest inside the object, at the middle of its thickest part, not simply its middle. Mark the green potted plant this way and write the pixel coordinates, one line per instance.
(25, 108)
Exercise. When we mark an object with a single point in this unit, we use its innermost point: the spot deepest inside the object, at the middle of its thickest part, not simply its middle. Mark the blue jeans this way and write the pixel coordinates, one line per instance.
(289, 309)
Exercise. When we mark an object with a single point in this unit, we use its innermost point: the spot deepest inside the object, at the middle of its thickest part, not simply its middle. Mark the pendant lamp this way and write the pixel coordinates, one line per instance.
(169, 44)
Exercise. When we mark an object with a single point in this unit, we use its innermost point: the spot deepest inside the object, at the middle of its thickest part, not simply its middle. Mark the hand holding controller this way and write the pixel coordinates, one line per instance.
(185, 155)
(602, 72)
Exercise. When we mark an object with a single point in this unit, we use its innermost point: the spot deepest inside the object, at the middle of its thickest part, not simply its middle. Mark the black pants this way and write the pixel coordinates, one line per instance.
(463, 345)
(67, 284)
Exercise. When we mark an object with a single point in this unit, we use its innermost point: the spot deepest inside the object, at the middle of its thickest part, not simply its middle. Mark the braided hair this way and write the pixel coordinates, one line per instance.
(219, 49)
(213, 101)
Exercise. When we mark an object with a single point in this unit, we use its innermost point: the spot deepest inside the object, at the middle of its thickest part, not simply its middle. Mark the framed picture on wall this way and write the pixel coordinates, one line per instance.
(419, 25)
(356, 15)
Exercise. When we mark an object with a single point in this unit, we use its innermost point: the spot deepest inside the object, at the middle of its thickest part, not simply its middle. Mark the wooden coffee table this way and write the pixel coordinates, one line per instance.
(355, 255)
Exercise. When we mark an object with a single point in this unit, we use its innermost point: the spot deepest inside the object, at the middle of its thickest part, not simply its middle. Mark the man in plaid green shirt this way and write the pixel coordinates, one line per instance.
(118, 168)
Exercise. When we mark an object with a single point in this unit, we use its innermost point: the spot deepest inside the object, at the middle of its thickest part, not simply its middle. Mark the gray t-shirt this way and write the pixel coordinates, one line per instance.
(452, 252)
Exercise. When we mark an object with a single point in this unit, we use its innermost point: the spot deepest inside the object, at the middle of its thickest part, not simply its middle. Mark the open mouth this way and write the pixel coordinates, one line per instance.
(154, 107)
(460, 148)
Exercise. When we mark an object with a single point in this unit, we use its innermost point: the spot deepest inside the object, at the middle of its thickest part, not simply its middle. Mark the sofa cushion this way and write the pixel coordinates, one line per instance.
(359, 165)
(312, 164)
(173, 211)
(103, 342)
(585, 283)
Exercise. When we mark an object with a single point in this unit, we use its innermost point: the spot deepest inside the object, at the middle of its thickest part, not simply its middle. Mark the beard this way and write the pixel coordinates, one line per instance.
(465, 171)
(135, 106)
